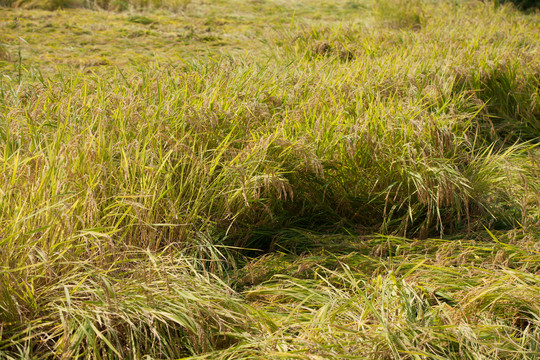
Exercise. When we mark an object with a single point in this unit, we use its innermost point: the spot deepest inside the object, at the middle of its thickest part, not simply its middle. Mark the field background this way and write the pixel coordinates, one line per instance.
(268, 179)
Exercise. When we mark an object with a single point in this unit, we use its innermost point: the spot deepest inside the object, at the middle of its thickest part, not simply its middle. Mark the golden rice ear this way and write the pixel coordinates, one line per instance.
(4, 53)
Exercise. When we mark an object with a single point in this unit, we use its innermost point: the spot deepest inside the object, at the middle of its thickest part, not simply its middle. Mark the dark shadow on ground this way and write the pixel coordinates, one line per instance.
(526, 5)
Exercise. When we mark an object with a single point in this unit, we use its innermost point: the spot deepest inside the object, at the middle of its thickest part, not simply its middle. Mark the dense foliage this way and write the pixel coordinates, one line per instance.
(265, 179)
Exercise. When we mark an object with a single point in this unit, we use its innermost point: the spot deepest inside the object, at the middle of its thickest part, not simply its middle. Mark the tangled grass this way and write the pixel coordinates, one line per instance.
(225, 207)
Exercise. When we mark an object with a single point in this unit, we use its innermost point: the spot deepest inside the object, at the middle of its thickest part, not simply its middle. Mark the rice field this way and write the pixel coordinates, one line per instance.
(267, 179)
